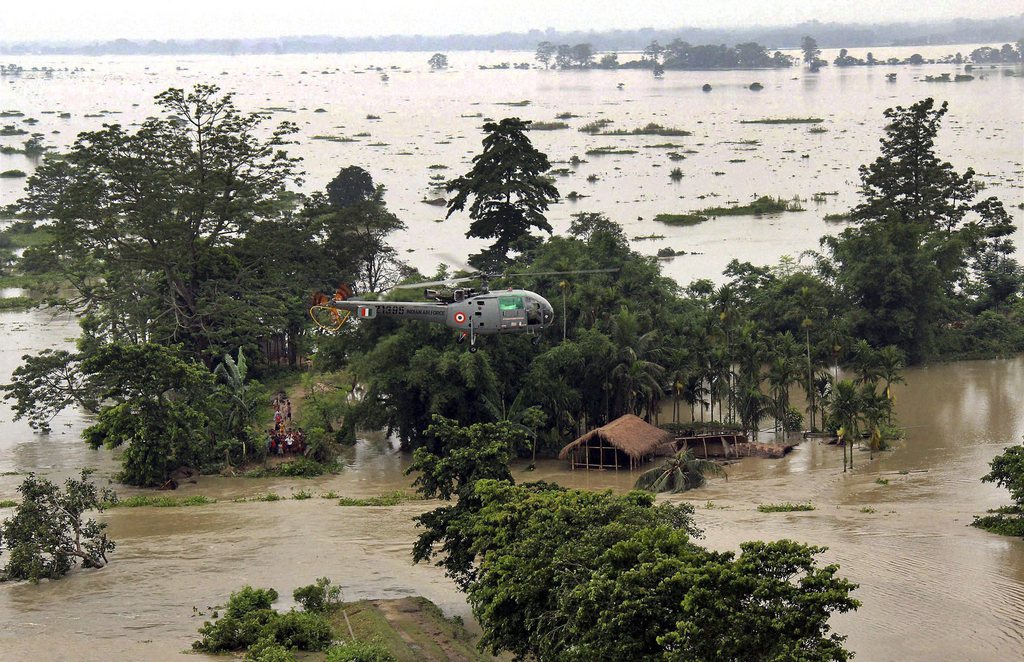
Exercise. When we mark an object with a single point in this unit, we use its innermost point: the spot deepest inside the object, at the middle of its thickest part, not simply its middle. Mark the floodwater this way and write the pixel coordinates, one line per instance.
(434, 119)
(932, 587)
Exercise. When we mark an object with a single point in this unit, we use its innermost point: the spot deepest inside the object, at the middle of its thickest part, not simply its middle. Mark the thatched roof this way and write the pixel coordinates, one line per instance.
(630, 434)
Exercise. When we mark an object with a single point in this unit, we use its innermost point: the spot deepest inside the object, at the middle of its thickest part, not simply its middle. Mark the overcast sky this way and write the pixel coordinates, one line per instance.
(22, 20)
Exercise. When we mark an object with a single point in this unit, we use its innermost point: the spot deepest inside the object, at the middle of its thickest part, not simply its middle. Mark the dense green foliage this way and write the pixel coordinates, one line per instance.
(1007, 471)
(360, 651)
(250, 621)
(924, 250)
(48, 533)
(570, 574)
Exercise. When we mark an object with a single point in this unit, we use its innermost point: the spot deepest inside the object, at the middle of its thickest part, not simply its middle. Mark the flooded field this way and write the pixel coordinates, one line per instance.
(932, 587)
(398, 128)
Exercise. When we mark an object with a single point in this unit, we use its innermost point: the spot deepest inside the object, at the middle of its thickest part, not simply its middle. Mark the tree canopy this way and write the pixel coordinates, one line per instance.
(509, 192)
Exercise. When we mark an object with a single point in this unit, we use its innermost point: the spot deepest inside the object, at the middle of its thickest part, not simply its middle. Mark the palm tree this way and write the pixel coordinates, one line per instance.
(846, 411)
(783, 372)
(864, 362)
(244, 399)
(752, 406)
(679, 473)
(890, 368)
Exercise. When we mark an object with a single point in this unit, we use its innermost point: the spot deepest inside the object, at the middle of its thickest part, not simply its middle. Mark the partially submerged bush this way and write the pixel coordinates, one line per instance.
(319, 596)
(250, 622)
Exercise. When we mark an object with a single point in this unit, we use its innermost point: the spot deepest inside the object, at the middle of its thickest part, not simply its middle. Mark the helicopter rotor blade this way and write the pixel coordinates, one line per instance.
(561, 273)
(431, 283)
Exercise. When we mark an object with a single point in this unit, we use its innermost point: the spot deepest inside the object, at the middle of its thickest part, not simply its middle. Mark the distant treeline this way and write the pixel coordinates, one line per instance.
(677, 54)
(829, 35)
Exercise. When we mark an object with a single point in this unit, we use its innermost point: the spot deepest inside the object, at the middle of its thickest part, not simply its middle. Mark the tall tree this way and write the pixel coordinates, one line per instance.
(545, 51)
(146, 222)
(809, 46)
(921, 239)
(510, 194)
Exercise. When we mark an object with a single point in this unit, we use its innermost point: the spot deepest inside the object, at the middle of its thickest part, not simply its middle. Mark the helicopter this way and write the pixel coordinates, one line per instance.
(471, 312)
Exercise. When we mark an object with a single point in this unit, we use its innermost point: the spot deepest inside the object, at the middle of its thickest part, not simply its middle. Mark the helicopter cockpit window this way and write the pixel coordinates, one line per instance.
(511, 303)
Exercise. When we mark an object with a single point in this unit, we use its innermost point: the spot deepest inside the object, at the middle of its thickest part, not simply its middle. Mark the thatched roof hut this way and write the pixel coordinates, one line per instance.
(626, 442)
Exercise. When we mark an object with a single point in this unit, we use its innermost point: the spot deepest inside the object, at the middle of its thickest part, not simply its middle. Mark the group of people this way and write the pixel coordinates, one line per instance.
(287, 441)
(284, 438)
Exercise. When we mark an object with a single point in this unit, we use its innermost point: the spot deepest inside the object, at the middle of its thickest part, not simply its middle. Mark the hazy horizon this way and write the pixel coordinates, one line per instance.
(60, 21)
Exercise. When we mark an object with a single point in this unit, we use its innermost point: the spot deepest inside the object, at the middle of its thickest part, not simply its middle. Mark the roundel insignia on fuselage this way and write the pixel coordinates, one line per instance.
(460, 317)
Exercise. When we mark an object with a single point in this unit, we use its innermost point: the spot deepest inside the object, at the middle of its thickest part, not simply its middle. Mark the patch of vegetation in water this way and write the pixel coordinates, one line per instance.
(763, 205)
(13, 174)
(548, 126)
(8, 503)
(161, 501)
(11, 130)
(596, 126)
(785, 507)
(300, 467)
(785, 120)
(1006, 521)
(651, 129)
(565, 116)
(680, 219)
(645, 237)
(390, 499)
(17, 303)
(515, 104)
(333, 139)
(838, 218)
(604, 151)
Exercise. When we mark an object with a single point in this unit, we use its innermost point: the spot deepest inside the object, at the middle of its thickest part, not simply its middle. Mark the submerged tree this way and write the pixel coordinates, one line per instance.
(681, 472)
(510, 194)
(49, 534)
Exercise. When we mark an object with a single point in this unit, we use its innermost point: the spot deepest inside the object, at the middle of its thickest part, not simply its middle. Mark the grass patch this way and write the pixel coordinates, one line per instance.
(868, 510)
(8, 503)
(13, 174)
(680, 220)
(548, 126)
(565, 116)
(161, 501)
(300, 467)
(651, 129)
(17, 303)
(838, 218)
(763, 205)
(602, 151)
(882, 481)
(515, 104)
(1006, 521)
(595, 126)
(390, 499)
(784, 120)
(333, 139)
(269, 496)
(664, 146)
(645, 237)
(785, 507)
(302, 495)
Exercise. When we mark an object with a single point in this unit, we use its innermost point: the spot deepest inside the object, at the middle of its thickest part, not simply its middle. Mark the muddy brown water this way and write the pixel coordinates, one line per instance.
(932, 587)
